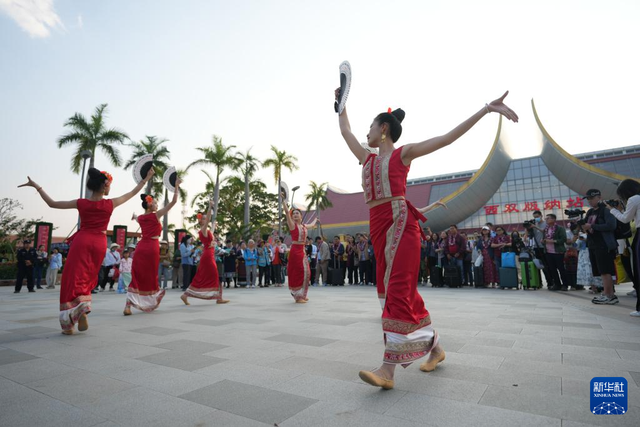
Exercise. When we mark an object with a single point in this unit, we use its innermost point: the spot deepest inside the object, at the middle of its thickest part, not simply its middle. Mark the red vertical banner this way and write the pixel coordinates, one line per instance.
(178, 235)
(120, 236)
(43, 235)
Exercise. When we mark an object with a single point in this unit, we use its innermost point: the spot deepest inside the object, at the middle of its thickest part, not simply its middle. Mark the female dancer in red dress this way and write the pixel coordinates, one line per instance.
(395, 232)
(88, 247)
(206, 284)
(144, 290)
(298, 267)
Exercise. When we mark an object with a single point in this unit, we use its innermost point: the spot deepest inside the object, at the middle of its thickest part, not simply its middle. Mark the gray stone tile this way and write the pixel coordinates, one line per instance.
(338, 370)
(246, 373)
(33, 370)
(163, 379)
(34, 330)
(79, 387)
(597, 362)
(158, 331)
(334, 321)
(7, 337)
(601, 344)
(193, 347)
(268, 406)
(629, 354)
(143, 407)
(636, 377)
(301, 339)
(12, 356)
(181, 360)
(445, 412)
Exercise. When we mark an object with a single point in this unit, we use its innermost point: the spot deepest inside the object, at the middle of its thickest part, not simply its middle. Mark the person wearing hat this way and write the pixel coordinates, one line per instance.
(165, 264)
(600, 226)
(26, 259)
(111, 260)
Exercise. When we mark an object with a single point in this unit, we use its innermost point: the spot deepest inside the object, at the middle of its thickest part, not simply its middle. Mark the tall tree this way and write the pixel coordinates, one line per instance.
(318, 198)
(219, 156)
(248, 167)
(91, 135)
(280, 159)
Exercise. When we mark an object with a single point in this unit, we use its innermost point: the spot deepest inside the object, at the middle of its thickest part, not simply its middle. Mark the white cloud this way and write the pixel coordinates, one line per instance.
(36, 17)
(80, 22)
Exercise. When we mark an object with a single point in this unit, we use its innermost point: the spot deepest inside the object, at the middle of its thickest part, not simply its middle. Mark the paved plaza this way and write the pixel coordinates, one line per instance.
(514, 358)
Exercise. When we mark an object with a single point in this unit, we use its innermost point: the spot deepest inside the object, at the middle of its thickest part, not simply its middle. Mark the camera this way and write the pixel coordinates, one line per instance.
(528, 223)
(613, 203)
(574, 213)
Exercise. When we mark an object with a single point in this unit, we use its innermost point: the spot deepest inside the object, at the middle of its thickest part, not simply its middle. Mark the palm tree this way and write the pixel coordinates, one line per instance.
(152, 145)
(318, 198)
(91, 135)
(219, 156)
(249, 166)
(280, 160)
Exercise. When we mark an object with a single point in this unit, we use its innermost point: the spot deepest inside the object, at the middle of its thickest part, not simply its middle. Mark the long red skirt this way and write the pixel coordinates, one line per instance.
(299, 272)
(406, 324)
(144, 292)
(80, 275)
(206, 284)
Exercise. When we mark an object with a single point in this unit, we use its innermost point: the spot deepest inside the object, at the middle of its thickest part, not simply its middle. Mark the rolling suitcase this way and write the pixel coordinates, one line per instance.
(452, 277)
(530, 275)
(436, 277)
(508, 277)
(335, 275)
(478, 277)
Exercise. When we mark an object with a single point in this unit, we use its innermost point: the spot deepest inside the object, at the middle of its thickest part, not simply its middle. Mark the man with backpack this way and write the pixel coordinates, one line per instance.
(600, 226)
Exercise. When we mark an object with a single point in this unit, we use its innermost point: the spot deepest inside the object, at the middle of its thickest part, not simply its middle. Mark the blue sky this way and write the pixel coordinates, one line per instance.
(263, 72)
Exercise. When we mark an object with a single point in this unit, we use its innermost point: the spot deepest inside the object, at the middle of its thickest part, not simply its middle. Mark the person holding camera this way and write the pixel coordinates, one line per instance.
(629, 192)
(555, 237)
(535, 232)
(600, 225)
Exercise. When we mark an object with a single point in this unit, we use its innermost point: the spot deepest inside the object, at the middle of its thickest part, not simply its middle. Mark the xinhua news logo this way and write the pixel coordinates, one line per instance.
(609, 396)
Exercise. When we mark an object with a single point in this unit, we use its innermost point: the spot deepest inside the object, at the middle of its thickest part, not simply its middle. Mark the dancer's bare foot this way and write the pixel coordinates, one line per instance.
(127, 311)
(381, 377)
(301, 301)
(436, 356)
(67, 332)
(183, 297)
(222, 301)
(83, 322)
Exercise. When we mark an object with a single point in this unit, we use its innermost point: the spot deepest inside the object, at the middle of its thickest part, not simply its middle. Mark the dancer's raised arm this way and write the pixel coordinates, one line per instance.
(290, 223)
(162, 212)
(69, 204)
(208, 220)
(345, 129)
(313, 223)
(432, 206)
(125, 197)
(413, 151)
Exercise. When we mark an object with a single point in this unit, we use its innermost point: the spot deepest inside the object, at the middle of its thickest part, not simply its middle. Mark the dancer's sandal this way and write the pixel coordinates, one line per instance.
(83, 322)
(375, 380)
(183, 297)
(430, 365)
(222, 301)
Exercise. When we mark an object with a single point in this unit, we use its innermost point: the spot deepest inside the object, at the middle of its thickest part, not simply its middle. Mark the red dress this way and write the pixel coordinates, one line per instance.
(298, 267)
(206, 284)
(395, 233)
(86, 253)
(144, 292)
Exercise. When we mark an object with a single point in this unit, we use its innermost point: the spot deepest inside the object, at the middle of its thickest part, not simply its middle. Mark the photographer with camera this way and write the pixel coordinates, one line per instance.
(535, 233)
(600, 226)
(555, 237)
(629, 192)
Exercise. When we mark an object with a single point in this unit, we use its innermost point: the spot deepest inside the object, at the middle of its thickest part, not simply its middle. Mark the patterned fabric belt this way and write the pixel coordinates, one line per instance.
(415, 213)
(297, 243)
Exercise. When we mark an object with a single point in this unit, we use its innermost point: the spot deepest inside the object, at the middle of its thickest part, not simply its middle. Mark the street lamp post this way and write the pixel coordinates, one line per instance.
(293, 193)
(86, 154)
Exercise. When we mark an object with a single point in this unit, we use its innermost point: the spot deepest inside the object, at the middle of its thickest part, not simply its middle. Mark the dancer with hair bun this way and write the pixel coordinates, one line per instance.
(206, 284)
(298, 268)
(88, 245)
(395, 232)
(144, 292)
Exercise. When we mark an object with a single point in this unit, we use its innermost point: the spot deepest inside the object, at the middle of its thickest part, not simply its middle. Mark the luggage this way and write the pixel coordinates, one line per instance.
(508, 277)
(478, 277)
(509, 260)
(335, 275)
(452, 277)
(436, 277)
(530, 275)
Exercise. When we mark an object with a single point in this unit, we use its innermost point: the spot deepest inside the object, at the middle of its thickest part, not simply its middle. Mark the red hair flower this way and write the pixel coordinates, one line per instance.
(389, 110)
(108, 175)
(148, 199)
(199, 216)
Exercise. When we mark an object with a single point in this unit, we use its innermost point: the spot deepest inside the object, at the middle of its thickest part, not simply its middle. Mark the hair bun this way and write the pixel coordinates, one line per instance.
(95, 173)
(143, 197)
(398, 113)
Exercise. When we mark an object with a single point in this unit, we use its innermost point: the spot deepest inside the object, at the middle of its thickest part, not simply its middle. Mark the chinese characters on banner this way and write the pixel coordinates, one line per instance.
(120, 237)
(43, 235)
(571, 203)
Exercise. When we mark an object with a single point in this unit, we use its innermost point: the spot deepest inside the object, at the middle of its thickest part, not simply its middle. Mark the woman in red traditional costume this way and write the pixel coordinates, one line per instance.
(89, 245)
(206, 284)
(298, 268)
(395, 233)
(144, 291)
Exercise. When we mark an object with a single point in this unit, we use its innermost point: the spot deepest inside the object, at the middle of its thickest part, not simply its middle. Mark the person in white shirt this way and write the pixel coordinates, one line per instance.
(125, 272)
(111, 260)
(629, 193)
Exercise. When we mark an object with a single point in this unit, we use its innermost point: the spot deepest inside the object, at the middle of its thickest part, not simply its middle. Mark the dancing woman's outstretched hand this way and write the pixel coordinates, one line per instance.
(498, 106)
(29, 183)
